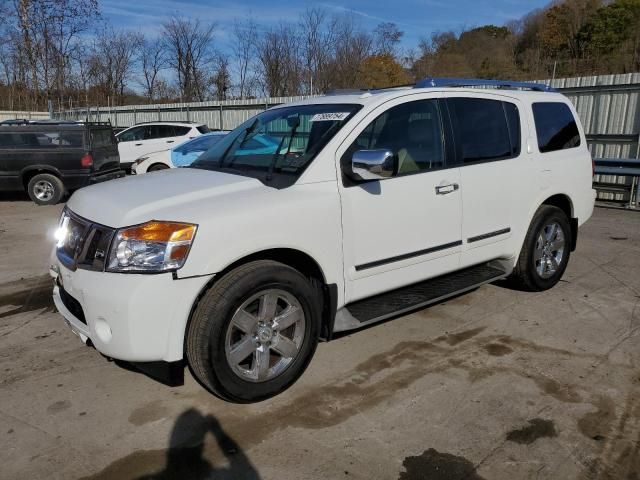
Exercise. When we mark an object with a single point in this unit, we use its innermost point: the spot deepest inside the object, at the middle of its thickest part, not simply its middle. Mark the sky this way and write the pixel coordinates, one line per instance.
(417, 18)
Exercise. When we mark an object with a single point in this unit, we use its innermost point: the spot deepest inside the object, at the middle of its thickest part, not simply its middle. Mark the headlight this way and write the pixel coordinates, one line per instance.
(151, 247)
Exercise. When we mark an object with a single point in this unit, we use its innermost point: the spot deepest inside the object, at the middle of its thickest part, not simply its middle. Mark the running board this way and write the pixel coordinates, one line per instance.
(389, 304)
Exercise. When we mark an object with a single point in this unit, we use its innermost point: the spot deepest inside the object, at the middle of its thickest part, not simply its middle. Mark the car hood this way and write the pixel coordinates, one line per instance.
(173, 194)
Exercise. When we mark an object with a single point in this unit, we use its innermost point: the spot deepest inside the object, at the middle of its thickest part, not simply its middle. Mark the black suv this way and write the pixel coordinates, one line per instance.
(48, 159)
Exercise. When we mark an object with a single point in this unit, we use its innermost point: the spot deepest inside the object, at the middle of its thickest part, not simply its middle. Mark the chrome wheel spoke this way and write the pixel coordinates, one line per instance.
(245, 321)
(552, 231)
(263, 357)
(557, 245)
(290, 316)
(537, 255)
(242, 350)
(284, 346)
(268, 305)
(554, 264)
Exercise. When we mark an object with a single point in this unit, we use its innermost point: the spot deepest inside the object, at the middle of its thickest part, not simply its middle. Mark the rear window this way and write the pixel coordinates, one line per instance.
(42, 140)
(102, 138)
(555, 126)
(485, 129)
(203, 129)
(180, 131)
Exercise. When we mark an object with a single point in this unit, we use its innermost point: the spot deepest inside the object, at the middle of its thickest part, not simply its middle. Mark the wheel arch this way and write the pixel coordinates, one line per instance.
(564, 203)
(28, 173)
(297, 259)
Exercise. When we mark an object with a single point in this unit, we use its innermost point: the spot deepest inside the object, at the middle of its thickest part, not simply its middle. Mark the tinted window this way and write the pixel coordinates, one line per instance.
(42, 140)
(136, 133)
(199, 144)
(159, 131)
(482, 131)
(411, 130)
(101, 138)
(555, 126)
(203, 129)
(180, 131)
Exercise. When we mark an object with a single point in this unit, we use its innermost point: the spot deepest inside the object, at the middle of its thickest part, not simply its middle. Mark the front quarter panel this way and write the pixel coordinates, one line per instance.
(302, 217)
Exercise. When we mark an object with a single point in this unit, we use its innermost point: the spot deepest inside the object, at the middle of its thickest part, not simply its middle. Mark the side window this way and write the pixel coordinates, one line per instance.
(181, 131)
(412, 131)
(555, 126)
(485, 129)
(136, 133)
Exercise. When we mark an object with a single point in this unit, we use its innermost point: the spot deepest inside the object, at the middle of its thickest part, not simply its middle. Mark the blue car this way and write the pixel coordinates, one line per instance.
(182, 155)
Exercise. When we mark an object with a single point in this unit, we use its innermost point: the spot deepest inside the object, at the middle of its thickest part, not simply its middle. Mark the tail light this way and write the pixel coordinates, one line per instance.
(87, 160)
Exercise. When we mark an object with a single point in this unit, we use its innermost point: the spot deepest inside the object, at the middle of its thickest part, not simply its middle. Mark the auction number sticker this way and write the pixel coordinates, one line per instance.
(329, 117)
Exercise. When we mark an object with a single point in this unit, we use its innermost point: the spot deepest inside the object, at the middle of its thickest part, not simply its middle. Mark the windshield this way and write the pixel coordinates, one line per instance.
(277, 145)
(199, 144)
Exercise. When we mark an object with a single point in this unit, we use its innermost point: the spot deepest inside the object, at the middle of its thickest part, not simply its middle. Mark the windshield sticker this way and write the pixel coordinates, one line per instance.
(329, 117)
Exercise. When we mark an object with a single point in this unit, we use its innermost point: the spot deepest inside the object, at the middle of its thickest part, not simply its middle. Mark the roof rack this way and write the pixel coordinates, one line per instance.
(476, 82)
(167, 121)
(24, 121)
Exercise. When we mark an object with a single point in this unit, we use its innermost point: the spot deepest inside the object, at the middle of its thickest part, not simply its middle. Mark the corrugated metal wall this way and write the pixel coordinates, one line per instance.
(13, 114)
(609, 109)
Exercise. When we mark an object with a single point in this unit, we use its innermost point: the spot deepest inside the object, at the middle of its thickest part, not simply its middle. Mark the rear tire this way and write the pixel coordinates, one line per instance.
(157, 166)
(45, 189)
(254, 332)
(545, 252)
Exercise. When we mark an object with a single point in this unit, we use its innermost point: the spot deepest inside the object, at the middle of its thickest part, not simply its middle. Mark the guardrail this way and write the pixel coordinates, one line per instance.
(617, 181)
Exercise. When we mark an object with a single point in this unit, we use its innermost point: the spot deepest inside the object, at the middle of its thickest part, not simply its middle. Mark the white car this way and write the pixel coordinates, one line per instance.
(181, 156)
(144, 138)
(368, 205)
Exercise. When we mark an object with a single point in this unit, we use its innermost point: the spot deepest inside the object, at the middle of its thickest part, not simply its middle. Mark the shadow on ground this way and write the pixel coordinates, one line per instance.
(192, 453)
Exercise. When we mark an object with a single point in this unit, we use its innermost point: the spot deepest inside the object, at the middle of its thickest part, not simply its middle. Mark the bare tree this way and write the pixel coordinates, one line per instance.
(387, 37)
(318, 32)
(245, 40)
(153, 60)
(190, 45)
(112, 61)
(279, 56)
(221, 79)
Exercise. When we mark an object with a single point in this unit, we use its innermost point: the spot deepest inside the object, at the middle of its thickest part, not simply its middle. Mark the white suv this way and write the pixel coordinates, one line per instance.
(324, 216)
(144, 138)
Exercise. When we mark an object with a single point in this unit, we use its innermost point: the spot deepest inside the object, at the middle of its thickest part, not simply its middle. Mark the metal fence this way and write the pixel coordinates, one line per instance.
(222, 115)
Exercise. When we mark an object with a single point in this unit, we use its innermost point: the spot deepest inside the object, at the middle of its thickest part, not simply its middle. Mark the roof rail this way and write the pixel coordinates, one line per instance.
(476, 82)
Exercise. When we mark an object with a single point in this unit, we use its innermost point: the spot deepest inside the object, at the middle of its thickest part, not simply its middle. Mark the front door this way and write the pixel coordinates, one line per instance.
(404, 229)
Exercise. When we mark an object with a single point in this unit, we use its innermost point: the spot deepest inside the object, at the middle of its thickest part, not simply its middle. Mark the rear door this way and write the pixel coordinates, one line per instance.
(493, 172)
(104, 149)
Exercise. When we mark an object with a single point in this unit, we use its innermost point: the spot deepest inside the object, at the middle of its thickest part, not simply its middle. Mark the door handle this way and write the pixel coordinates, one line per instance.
(170, 141)
(444, 189)
(137, 144)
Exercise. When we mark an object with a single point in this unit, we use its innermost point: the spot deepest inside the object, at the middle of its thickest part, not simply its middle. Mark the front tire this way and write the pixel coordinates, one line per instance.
(545, 253)
(45, 189)
(253, 333)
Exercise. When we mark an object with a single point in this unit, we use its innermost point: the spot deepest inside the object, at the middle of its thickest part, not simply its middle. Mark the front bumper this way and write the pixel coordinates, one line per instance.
(132, 317)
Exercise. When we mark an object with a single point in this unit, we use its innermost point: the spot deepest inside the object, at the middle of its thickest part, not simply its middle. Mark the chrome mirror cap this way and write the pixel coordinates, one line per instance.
(373, 164)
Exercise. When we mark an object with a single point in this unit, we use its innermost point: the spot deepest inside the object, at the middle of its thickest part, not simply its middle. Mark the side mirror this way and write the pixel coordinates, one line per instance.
(374, 164)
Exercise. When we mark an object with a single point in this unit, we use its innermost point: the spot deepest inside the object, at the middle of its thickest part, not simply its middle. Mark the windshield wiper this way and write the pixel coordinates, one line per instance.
(294, 123)
(243, 136)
